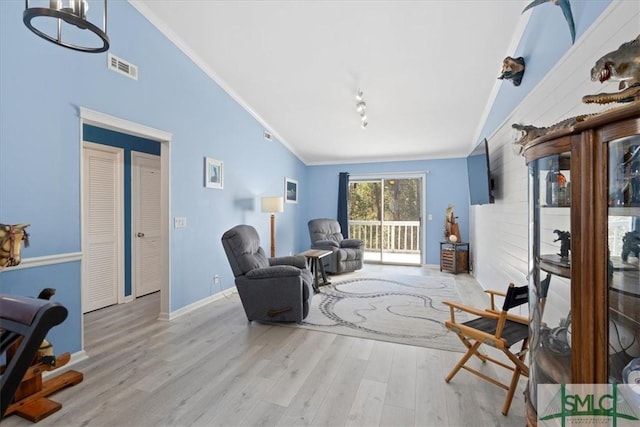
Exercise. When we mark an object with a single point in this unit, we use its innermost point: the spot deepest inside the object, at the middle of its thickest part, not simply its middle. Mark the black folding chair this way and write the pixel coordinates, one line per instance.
(498, 329)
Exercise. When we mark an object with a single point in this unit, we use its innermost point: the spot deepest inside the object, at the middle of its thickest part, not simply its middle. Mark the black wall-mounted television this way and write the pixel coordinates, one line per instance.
(480, 182)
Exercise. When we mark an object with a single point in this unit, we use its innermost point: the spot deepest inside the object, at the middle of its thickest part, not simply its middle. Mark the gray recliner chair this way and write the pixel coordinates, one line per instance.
(271, 289)
(347, 254)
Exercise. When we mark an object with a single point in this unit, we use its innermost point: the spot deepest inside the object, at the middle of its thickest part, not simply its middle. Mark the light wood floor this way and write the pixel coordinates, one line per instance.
(211, 367)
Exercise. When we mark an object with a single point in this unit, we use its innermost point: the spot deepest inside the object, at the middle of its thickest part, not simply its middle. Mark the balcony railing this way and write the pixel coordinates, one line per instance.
(393, 236)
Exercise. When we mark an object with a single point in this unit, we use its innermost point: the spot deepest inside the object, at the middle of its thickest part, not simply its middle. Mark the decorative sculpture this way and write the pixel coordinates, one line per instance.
(451, 229)
(557, 340)
(512, 69)
(621, 65)
(11, 237)
(27, 355)
(564, 237)
(530, 132)
(630, 245)
(630, 375)
(566, 11)
(631, 175)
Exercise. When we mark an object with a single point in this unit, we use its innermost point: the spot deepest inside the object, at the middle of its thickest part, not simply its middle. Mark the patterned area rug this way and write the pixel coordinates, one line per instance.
(401, 309)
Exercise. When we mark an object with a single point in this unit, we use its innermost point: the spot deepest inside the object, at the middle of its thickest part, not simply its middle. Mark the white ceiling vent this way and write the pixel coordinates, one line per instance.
(267, 135)
(121, 66)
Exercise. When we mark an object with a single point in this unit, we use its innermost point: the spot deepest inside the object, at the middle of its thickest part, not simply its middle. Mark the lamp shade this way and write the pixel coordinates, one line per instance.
(272, 204)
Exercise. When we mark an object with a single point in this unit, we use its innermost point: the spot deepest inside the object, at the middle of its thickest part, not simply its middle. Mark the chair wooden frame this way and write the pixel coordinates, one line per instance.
(496, 322)
(24, 323)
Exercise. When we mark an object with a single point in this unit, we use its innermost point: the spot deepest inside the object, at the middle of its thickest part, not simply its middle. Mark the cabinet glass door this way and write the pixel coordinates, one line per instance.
(623, 264)
(550, 271)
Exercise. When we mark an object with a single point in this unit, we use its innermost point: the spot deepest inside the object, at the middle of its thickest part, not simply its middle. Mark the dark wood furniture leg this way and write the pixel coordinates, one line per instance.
(323, 273)
(314, 270)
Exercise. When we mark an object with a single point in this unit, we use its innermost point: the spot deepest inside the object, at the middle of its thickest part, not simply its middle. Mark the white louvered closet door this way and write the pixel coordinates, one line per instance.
(146, 223)
(102, 207)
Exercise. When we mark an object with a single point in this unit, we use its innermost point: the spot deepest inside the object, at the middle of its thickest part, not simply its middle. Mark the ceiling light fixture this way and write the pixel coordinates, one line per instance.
(74, 14)
(361, 108)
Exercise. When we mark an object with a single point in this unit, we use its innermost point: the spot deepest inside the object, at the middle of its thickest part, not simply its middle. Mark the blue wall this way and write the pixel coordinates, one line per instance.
(65, 279)
(42, 87)
(545, 40)
(446, 184)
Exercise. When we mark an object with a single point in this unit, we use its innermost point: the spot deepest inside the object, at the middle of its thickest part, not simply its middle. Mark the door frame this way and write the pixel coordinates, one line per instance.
(106, 121)
(423, 207)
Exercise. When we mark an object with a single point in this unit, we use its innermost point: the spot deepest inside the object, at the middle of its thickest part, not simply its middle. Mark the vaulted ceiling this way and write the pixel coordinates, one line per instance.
(427, 69)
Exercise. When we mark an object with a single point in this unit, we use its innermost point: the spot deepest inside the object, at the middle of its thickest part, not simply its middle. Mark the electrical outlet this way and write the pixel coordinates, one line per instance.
(216, 279)
(430, 217)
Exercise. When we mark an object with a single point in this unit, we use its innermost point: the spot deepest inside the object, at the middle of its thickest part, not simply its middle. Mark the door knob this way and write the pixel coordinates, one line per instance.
(140, 234)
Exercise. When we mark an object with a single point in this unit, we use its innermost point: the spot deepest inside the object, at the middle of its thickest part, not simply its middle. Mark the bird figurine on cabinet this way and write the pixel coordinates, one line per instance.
(566, 10)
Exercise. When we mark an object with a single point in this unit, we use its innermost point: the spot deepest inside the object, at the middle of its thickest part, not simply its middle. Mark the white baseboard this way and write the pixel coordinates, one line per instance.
(191, 307)
(76, 358)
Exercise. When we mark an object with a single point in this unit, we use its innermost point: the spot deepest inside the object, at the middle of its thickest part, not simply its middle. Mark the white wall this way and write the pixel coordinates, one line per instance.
(499, 232)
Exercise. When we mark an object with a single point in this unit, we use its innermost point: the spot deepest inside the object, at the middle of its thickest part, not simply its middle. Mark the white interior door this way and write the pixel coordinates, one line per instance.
(145, 195)
(102, 207)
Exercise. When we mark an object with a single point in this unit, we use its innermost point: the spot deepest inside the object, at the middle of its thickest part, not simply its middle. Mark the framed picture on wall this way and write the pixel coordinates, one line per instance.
(290, 190)
(213, 173)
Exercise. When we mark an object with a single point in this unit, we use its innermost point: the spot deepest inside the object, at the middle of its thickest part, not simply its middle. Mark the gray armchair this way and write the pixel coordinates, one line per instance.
(272, 289)
(347, 253)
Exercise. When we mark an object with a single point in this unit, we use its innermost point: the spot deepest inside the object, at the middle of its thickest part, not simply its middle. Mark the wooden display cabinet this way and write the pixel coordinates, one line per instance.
(584, 306)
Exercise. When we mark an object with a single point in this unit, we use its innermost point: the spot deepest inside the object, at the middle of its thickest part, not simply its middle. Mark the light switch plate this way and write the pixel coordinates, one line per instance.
(180, 222)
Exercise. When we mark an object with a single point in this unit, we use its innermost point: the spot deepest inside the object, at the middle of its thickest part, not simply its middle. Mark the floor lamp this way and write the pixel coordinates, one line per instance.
(272, 205)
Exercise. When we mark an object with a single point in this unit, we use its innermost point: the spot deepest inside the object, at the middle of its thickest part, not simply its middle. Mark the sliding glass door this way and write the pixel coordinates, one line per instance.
(386, 212)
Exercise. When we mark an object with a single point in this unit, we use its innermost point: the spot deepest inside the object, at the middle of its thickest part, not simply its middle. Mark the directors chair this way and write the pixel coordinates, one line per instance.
(500, 330)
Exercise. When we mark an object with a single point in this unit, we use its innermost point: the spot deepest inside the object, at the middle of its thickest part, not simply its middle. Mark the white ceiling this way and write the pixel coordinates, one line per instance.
(428, 69)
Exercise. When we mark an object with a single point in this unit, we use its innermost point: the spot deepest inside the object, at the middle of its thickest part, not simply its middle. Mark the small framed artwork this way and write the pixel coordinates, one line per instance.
(290, 190)
(213, 173)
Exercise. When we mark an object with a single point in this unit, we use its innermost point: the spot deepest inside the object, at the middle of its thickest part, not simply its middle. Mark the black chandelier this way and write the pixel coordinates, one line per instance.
(68, 17)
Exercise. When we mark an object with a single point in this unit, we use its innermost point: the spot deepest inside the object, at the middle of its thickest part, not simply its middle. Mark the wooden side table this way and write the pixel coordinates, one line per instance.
(454, 257)
(314, 260)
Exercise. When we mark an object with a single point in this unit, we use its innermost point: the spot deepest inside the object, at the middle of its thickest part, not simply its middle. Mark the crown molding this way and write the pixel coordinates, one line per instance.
(144, 10)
